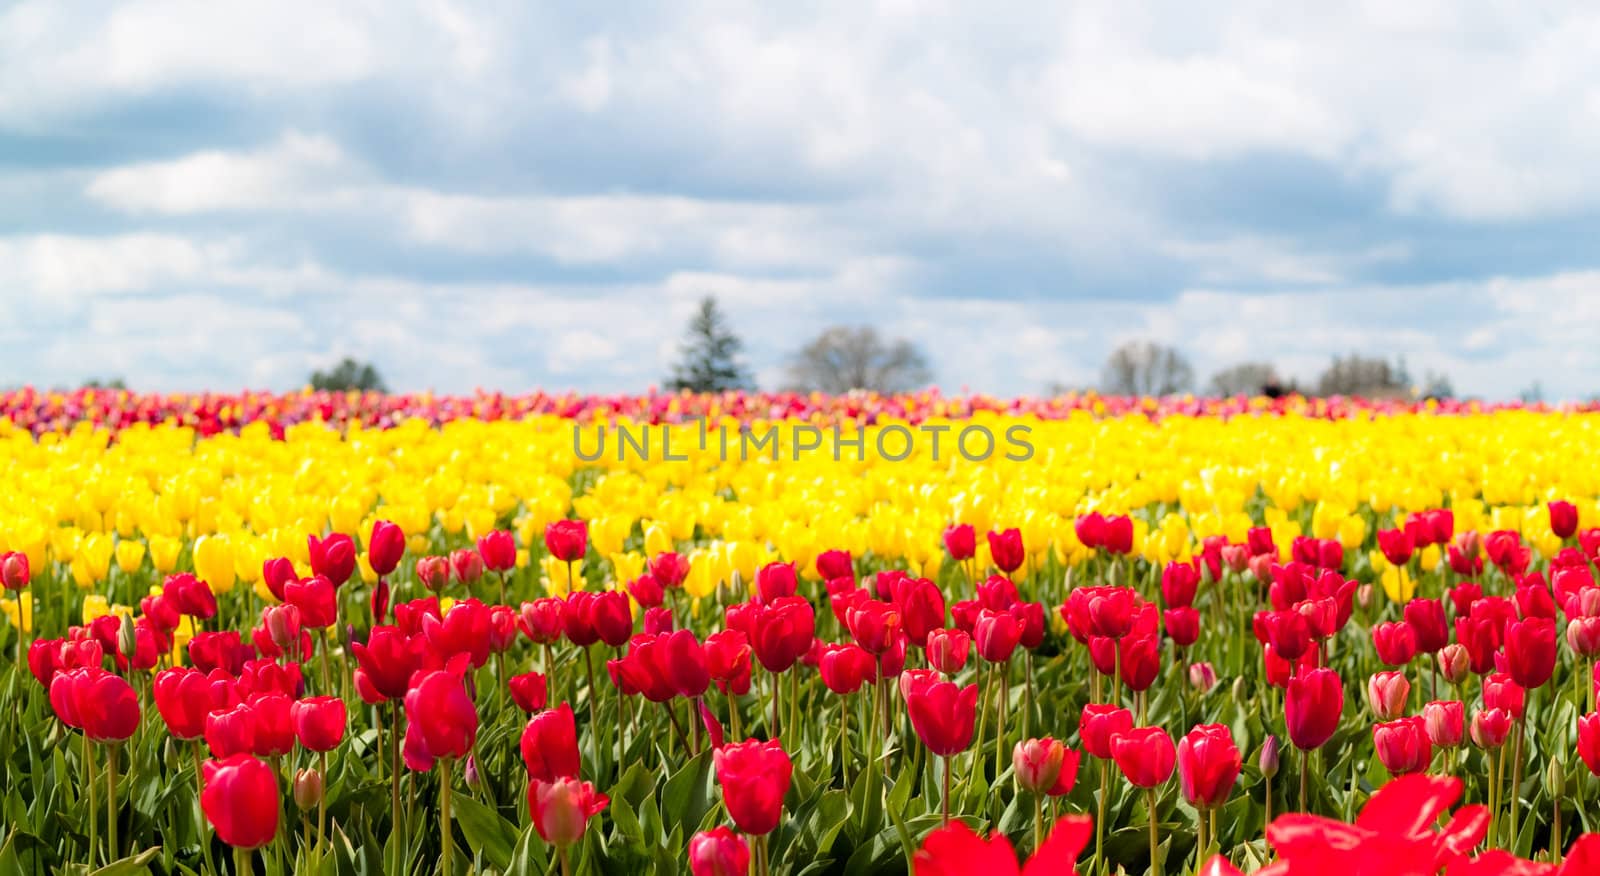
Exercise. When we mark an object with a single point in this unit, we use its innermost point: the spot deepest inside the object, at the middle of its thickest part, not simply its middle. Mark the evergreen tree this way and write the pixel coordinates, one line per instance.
(347, 375)
(710, 354)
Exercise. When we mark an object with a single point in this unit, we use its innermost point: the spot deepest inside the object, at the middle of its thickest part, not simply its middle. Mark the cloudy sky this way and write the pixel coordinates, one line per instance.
(198, 194)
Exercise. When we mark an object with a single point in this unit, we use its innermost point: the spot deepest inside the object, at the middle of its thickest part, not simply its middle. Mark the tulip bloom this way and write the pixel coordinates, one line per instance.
(102, 705)
(1589, 741)
(1208, 765)
(433, 573)
(961, 541)
(184, 697)
(754, 777)
(1005, 548)
(385, 547)
(317, 599)
(319, 722)
(948, 649)
(1490, 727)
(1403, 746)
(1397, 545)
(567, 540)
(1037, 763)
(1445, 722)
(845, 668)
(1099, 725)
(1387, 695)
(873, 624)
(441, 721)
(550, 745)
(942, 714)
(775, 581)
(333, 557)
(384, 664)
(241, 800)
(1312, 706)
(467, 565)
(1531, 651)
(1563, 519)
(498, 549)
(528, 691)
(1145, 755)
(996, 634)
(835, 564)
(954, 850)
(561, 809)
(718, 852)
(1396, 643)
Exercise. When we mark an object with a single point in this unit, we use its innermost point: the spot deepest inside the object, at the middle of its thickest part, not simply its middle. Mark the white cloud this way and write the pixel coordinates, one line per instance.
(66, 268)
(297, 169)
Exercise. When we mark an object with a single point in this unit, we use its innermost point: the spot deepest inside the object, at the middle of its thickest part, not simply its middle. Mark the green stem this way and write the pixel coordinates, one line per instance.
(394, 765)
(1100, 822)
(241, 861)
(1150, 803)
(111, 803)
(322, 803)
(90, 780)
(446, 836)
(1305, 772)
(946, 797)
(199, 789)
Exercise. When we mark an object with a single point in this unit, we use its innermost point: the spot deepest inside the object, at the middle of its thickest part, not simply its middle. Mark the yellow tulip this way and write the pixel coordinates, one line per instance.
(213, 562)
(19, 611)
(130, 556)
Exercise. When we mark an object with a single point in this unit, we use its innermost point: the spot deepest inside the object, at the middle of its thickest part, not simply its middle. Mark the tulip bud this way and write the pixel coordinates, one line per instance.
(127, 637)
(1239, 692)
(1261, 567)
(473, 778)
(1556, 779)
(1202, 677)
(1454, 662)
(1267, 760)
(283, 625)
(308, 788)
(1364, 595)
(1037, 762)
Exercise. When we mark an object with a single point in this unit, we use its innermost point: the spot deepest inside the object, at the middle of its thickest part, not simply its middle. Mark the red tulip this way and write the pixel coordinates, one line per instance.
(1208, 765)
(1119, 534)
(1583, 636)
(464, 629)
(550, 745)
(1403, 745)
(998, 593)
(921, 606)
(276, 573)
(754, 777)
(1099, 725)
(384, 664)
(1145, 755)
(185, 696)
(1445, 722)
(1312, 706)
(542, 620)
(385, 547)
(561, 809)
(528, 691)
(231, 731)
(728, 661)
(498, 549)
(190, 596)
(942, 714)
(1178, 584)
(1396, 643)
(954, 850)
(272, 725)
(1395, 833)
(961, 541)
(1183, 625)
(1589, 741)
(718, 852)
(775, 581)
(333, 557)
(611, 617)
(845, 668)
(996, 634)
(14, 572)
(1426, 619)
(467, 564)
(433, 573)
(948, 650)
(102, 705)
(240, 800)
(567, 540)
(319, 722)
(1454, 663)
(1563, 519)
(646, 591)
(1037, 763)
(161, 612)
(782, 631)
(1501, 691)
(873, 624)
(317, 599)
(1110, 610)
(269, 676)
(1531, 651)
(835, 564)
(1490, 727)
(1387, 695)
(1397, 545)
(440, 718)
(408, 615)
(671, 569)
(1006, 549)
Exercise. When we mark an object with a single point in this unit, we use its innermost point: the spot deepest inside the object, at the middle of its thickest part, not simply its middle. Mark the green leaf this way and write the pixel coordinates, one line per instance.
(132, 864)
(486, 830)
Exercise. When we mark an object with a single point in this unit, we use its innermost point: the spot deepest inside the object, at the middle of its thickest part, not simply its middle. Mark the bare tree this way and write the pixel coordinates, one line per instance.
(1245, 378)
(1370, 376)
(843, 358)
(1146, 368)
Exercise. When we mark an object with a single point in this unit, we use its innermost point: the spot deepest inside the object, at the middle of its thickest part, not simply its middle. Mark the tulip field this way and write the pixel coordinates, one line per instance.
(413, 634)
